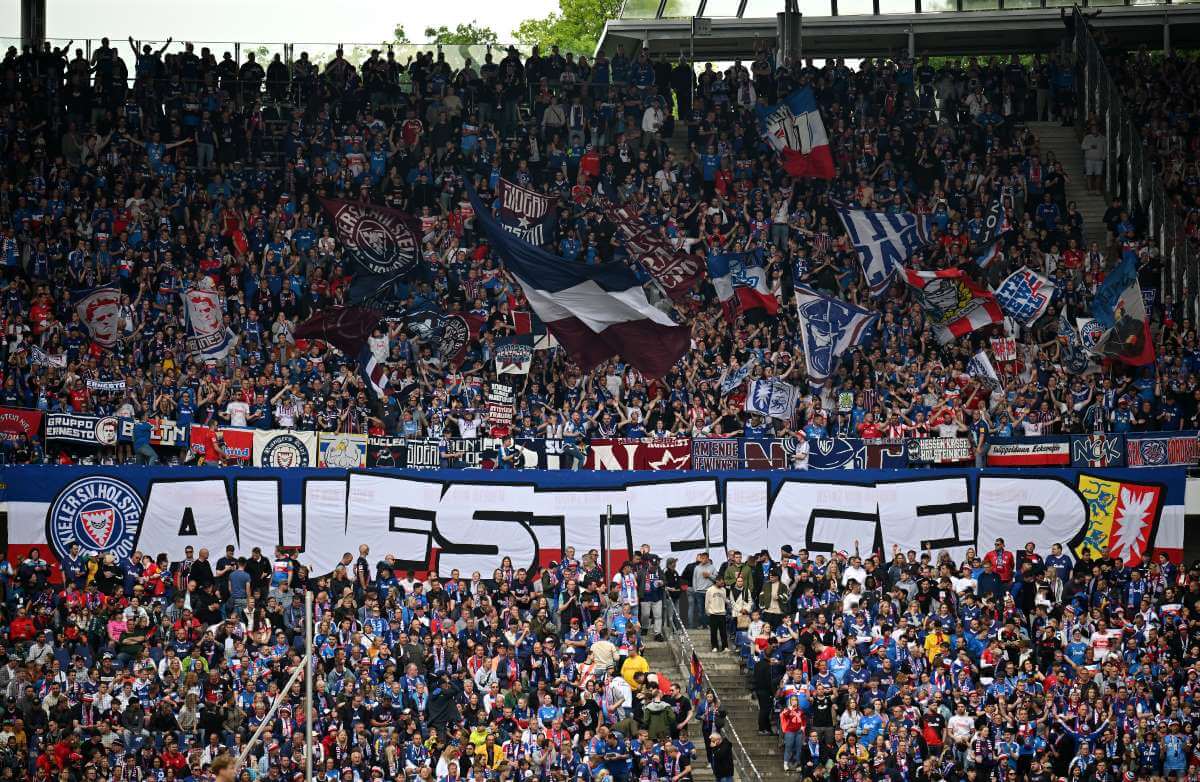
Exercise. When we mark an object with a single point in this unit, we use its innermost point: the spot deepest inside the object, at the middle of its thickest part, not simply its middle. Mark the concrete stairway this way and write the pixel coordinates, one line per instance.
(659, 656)
(1064, 143)
(733, 688)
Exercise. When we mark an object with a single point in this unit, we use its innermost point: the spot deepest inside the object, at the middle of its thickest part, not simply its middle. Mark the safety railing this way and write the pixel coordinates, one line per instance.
(680, 644)
(1130, 172)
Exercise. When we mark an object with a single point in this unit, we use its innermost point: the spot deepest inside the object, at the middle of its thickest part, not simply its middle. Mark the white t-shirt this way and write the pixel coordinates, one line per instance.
(237, 412)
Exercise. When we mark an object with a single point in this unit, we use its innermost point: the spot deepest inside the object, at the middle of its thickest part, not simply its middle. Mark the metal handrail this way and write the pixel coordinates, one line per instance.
(680, 644)
(1131, 173)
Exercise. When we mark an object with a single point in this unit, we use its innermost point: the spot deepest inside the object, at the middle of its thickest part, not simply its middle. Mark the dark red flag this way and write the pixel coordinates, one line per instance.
(346, 328)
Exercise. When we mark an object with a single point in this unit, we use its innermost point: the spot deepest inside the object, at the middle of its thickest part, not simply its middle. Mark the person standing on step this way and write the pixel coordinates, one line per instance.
(1095, 150)
(715, 607)
(766, 682)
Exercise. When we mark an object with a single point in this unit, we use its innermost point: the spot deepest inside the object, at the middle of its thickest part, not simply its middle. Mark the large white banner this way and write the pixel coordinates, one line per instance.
(284, 448)
(469, 520)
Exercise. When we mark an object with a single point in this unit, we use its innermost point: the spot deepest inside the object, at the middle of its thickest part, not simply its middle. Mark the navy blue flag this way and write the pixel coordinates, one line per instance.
(595, 311)
(383, 245)
(527, 213)
(884, 242)
(828, 328)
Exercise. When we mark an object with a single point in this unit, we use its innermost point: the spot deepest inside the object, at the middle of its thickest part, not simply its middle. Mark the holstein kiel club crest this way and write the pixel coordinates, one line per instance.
(101, 514)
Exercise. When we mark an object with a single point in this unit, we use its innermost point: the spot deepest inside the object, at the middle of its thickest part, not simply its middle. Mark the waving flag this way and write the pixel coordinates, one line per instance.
(346, 328)
(527, 213)
(731, 380)
(772, 398)
(741, 283)
(374, 373)
(1025, 295)
(1120, 310)
(457, 333)
(980, 367)
(990, 244)
(384, 245)
(514, 355)
(1122, 518)
(884, 242)
(953, 302)
(595, 312)
(41, 358)
(674, 269)
(793, 128)
(207, 334)
(99, 310)
(828, 328)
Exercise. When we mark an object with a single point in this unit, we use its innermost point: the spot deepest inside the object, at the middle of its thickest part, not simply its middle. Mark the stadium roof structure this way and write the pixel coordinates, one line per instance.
(873, 28)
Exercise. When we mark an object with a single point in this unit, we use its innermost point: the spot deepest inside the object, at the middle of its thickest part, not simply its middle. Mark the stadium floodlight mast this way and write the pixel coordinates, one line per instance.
(306, 668)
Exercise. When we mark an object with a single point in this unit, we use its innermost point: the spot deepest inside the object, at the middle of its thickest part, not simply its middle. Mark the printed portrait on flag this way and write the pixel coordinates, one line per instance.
(206, 332)
(100, 312)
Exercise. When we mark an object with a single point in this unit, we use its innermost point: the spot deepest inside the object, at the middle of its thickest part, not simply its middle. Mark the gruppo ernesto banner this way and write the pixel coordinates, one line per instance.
(468, 519)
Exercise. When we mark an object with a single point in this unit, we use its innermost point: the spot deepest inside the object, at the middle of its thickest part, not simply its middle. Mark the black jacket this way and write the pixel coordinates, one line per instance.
(721, 757)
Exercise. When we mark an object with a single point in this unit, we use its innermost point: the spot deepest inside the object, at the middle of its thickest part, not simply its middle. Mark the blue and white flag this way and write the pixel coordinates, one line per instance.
(988, 243)
(884, 242)
(989, 253)
(41, 358)
(1025, 295)
(374, 373)
(772, 398)
(734, 379)
(828, 328)
(207, 334)
(980, 367)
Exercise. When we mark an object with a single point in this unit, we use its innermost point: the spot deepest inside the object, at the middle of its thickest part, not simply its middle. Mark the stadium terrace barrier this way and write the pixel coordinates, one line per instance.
(467, 520)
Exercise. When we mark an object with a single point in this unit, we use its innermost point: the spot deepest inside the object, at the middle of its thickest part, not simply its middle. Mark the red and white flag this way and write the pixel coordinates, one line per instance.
(954, 303)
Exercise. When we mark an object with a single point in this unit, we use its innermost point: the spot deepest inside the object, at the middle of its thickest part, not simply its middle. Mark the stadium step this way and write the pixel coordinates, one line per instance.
(1064, 143)
(659, 656)
(732, 686)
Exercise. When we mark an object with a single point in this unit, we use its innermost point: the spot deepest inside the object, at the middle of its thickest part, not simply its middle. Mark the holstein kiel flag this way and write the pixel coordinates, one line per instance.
(741, 284)
(595, 312)
(954, 303)
(795, 131)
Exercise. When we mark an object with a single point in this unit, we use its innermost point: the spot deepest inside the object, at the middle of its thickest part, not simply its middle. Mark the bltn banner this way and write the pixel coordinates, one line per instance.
(15, 421)
(1161, 449)
(469, 520)
(162, 432)
(284, 448)
(341, 450)
(514, 355)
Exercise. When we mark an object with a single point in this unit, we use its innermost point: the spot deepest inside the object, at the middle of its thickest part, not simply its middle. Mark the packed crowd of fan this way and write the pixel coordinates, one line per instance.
(144, 175)
(1029, 666)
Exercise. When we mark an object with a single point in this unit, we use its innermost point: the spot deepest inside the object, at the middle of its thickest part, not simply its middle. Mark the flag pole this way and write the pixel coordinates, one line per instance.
(608, 547)
(270, 715)
(308, 686)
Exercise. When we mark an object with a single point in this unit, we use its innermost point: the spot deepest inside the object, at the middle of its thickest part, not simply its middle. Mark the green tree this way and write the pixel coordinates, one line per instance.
(469, 34)
(576, 27)
(399, 36)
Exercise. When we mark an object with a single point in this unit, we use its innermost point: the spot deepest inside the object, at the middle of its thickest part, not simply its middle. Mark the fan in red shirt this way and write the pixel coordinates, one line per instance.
(1002, 561)
(868, 429)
